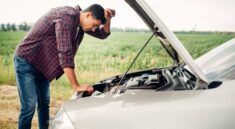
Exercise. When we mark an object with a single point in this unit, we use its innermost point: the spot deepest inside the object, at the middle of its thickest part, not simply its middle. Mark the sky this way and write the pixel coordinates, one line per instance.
(178, 15)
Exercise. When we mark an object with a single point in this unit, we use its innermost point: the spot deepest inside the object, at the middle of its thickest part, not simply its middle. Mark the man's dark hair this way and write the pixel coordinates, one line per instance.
(97, 12)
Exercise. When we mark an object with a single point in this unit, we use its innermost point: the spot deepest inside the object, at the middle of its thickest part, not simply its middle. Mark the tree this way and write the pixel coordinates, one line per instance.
(3, 28)
(117, 29)
(21, 27)
(13, 27)
(24, 26)
(8, 27)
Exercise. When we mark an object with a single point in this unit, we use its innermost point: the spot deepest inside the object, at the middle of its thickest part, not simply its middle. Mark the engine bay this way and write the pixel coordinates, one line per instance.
(162, 79)
(173, 78)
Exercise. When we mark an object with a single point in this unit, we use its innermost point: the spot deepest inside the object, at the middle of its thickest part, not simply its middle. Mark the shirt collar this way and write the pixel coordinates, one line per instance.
(77, 9)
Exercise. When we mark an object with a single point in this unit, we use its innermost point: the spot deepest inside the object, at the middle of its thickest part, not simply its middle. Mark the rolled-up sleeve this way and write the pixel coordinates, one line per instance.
(63, 29)
(99, 33)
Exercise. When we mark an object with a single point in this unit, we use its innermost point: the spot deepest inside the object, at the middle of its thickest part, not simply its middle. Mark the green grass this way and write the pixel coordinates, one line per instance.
(8, 42)
(98, 59)
(198, 44)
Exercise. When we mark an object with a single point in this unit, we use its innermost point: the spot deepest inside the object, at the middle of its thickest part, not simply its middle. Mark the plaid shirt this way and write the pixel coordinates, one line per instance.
(53, 41)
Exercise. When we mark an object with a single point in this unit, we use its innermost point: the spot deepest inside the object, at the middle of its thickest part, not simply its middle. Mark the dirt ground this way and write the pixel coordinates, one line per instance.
(9, 108)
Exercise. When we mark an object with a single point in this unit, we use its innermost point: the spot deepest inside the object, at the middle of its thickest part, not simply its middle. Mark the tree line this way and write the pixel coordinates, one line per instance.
(24, 26)
(129, 29)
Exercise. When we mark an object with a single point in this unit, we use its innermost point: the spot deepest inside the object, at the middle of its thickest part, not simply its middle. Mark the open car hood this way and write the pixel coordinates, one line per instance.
(167, 38)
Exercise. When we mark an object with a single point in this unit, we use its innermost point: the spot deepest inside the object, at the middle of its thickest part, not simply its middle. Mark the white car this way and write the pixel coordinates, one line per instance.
(190, 95)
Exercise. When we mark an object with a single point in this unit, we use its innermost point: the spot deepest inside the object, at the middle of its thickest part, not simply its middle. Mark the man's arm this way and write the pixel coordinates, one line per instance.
(63, 30)
(103, 31)
(109, 13)
(70, 74)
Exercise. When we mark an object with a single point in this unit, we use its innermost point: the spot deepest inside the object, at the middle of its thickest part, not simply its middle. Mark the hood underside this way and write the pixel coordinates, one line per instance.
(167, 38)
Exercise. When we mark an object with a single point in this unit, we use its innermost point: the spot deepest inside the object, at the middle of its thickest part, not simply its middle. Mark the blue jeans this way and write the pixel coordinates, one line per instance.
(33, 89)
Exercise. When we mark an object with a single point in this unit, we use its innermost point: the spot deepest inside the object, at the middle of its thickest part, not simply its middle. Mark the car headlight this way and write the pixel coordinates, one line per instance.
(62, 120)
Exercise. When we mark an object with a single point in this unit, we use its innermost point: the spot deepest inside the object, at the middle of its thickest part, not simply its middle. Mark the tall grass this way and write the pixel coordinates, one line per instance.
(97, 59)
(8, 42)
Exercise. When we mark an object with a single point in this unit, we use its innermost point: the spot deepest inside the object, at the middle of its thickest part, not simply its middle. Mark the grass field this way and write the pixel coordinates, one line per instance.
(95, 60)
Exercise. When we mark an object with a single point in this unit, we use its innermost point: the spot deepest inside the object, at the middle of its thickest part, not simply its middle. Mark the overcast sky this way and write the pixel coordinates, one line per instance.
(212, 15)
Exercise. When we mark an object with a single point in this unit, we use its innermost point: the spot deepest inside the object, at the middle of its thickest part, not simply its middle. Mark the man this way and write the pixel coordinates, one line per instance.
(48, 51)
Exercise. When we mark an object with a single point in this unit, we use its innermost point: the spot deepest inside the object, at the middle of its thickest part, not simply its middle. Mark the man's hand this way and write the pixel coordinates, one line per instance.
(109, 13)
(74, 82)
(85, 87)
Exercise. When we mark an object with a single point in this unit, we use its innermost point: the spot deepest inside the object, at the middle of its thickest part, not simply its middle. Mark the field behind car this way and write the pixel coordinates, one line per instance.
(95, 60)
